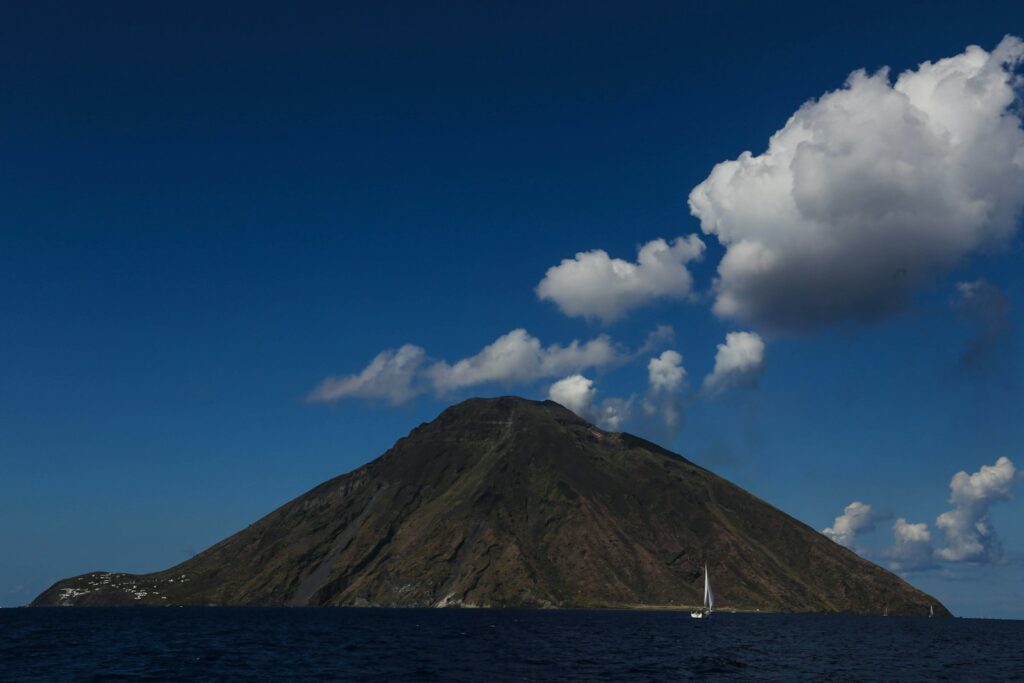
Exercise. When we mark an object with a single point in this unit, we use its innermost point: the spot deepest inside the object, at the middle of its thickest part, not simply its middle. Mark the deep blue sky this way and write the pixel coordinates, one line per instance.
(206, 211)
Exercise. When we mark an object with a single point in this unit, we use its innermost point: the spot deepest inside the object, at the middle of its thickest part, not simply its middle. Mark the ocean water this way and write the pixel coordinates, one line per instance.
(201, 644)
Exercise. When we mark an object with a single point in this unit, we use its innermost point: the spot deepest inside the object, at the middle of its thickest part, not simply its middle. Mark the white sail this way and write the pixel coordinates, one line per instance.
(709, 598)
(707, 586)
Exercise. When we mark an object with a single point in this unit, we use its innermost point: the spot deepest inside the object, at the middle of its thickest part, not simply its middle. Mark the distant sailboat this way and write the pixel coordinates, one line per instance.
(931, 611)
(709, 599)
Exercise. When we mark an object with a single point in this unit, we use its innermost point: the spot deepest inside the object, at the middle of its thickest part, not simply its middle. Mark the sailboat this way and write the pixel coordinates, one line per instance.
(709, 599)
(931, 611)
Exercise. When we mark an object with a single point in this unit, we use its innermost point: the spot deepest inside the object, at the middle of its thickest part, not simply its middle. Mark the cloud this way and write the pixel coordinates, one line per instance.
(857, 518)
(578, 394)
(594, 285)
(666, 378)
(967, 528)
(968, 531)
(613, 413)
(575, 392)
(518, 357)
(658, 338)
(738, 362)
(868, 192)
(390, 376)
(982, 303)
(666, 372)
(911, 549)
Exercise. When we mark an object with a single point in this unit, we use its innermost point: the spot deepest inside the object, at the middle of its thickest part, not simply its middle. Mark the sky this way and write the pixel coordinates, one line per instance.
(245, 249)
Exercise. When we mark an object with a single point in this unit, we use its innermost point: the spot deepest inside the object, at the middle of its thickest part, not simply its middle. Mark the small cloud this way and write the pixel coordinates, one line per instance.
(666, 372)
(613, 413)
(594, 285)
(391, 376)
(666, 411)
(666, 379)
(660, 337)
(578, 394)
(857, 518)
(968, 531)
(575, 392)
(911, 549)
(738, 362)
(518, 357)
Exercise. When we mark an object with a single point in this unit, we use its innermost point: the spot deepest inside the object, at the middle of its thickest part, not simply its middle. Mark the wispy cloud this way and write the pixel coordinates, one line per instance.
(392, 376)
(984, 305)
(660, 337)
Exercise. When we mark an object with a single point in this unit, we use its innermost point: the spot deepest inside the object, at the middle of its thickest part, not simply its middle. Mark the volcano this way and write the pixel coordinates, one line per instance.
(507, 502)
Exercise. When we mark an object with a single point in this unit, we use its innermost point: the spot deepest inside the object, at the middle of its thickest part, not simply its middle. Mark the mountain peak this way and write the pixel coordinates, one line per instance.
(511, 407)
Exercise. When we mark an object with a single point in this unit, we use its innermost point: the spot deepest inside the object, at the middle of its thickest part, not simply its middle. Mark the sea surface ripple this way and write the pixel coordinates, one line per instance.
(255, 644)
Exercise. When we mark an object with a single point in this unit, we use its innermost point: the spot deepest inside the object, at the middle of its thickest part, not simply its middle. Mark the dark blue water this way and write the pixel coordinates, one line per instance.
(195, 644)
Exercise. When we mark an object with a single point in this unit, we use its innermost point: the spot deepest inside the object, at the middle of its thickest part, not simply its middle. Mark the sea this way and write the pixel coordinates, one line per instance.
(347, 644)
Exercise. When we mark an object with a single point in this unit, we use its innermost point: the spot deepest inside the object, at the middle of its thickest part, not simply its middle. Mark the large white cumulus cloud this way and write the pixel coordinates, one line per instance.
(868, 191)
(594, 285)
(968, 529)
